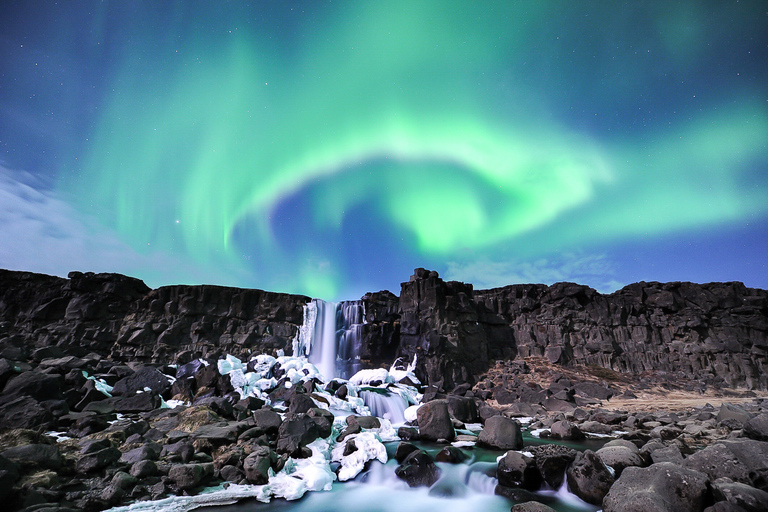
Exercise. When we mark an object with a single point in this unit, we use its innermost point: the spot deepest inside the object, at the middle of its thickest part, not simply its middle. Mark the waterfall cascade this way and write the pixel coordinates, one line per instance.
(331, 337)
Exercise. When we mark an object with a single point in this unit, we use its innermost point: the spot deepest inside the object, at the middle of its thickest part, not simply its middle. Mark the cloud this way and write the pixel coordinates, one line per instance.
(595, 270)
(42, 233)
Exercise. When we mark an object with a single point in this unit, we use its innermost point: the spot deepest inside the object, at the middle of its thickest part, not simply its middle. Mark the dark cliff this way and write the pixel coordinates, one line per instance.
(716, 333)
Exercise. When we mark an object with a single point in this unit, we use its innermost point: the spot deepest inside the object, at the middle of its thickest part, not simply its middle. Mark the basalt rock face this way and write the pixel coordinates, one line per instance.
(115, 316)
(716, 333)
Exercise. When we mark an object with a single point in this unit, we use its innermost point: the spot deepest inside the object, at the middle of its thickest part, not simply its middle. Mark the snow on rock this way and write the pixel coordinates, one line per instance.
(369, 447)
(410, 412)
(366, 377)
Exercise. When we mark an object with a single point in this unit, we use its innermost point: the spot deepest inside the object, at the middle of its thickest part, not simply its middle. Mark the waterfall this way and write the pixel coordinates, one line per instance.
(349, 320)
(331, 337)
(385, 404)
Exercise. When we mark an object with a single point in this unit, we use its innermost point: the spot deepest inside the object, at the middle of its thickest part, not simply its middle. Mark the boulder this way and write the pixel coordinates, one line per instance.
(757, 427)
(97, 460)
(268, 420)
(663, 487)
(566, 431)
(589, 478)
(551, 461)
(145, 377)
(740, 495)
(451, 454)
(531, 506)
(434, 421)
(256, 465)
(620, 457)
(518, 470)
(33, 456)
(741, 460)
(404, 449)
(501, 433)
(295, 434)
(38, 385)
(730, 413)
(25, 412)
(189, 476)
(418, 469)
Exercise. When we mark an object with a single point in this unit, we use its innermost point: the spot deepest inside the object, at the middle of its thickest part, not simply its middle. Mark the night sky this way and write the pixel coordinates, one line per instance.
(329, 148)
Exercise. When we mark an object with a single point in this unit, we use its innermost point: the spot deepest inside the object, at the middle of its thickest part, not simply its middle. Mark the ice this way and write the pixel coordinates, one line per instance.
(215, 496)
(58, 436)
(364, 377)
(463, 444)
(100, 384)
(263, 364)
(369, 447)
(229, 363)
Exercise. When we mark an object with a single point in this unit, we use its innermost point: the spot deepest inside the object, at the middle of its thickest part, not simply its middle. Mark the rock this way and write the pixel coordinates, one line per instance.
(323, 421)
(741, 460)
(30, 456)
(181, 450)
(757, 427)
(729, 412)
(189, 476)
(418, 469)
(256, 465)
(669, 454)
(450, 454)
(566, 431)
(25, 412)
(142, 402)
(218, 434)
(518, 470)
(620, 457)
(589, 478)
(501, 433)
(741, 495)
(463, 409)
(300, 403)
(38, 385)
(531, 506)
(9, 474)
(663, 487)
(143, 469)
(592, 390)
(267, 420)
(364, 421)
(145, 377)
(97, 460)
(295, 434)
(403, 450)
(148, 451)
(551, 461)
(434, 421)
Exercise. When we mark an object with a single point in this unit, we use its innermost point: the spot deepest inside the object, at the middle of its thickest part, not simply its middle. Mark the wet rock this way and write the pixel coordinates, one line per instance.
(663, 487)
(501, 433)
(551, 461)
(589, 478)
(518, 470)
(418, 469)
(434, 421)
(403, 450)
(450, 454)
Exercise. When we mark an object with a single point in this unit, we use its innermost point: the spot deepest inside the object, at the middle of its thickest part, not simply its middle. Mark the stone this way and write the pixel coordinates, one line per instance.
(757, 427)
(256, 465)
(741, 460)
(267, 420)
(145, 377)
(434, 421)
(518, 470)
(38, 385)
(403, 450)
(189, 476)
(418, 469)
(142, 402)
(295, 434)
(144, 468)
(25, 412)
(741, 495)
(620, 457)
(501, 433)
(566, 431)
(97, 460)
(531, 506)
(30, 456)
(588, 478)
(663, 487)
(450, 454)
(733, 412)
(669, 454)
(552, 461)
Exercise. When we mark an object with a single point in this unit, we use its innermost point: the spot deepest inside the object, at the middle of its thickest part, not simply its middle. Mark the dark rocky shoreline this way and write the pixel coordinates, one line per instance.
(465, 342)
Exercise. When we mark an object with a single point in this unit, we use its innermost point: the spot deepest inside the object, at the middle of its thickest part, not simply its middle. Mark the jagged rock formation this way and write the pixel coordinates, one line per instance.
(717, 332)
(120, 317)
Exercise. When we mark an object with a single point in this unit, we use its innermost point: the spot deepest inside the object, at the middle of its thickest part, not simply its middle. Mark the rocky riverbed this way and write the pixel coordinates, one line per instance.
(65, 445)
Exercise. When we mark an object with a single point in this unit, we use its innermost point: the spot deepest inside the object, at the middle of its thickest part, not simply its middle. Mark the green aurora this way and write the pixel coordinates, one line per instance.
(435, 128)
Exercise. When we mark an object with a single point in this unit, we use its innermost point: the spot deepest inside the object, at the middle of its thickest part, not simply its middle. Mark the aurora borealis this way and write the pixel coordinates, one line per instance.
(328, 148)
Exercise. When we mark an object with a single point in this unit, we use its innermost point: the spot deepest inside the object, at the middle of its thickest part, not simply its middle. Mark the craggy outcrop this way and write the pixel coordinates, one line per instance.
(715, 333)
